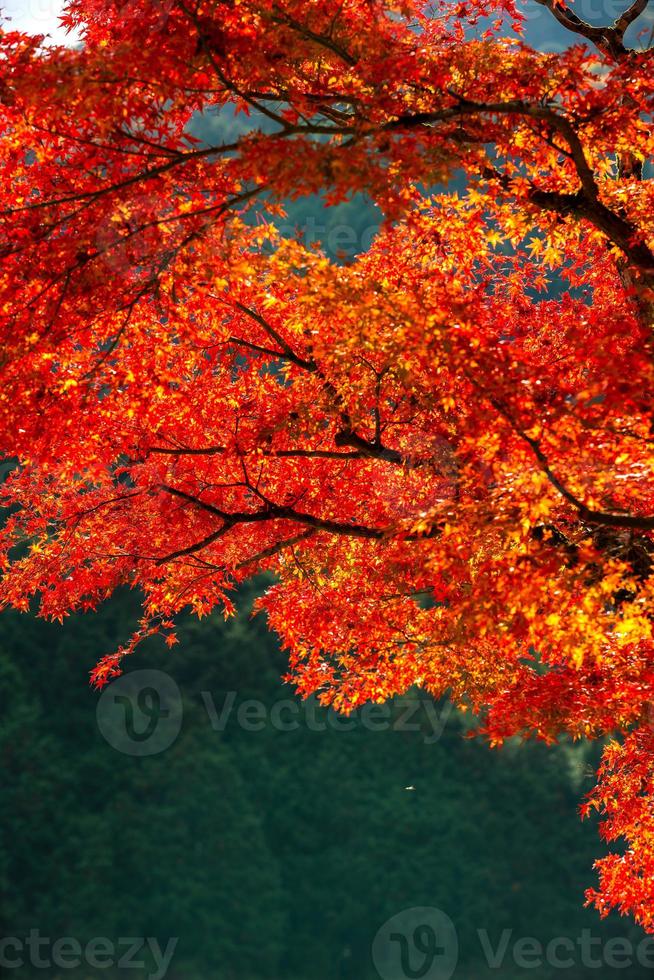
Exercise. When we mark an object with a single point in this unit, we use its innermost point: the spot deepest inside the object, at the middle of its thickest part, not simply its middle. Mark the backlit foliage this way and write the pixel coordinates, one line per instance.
(443, 449)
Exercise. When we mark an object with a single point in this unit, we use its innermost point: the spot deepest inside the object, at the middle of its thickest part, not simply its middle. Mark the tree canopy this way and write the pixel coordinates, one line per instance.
(442, 448)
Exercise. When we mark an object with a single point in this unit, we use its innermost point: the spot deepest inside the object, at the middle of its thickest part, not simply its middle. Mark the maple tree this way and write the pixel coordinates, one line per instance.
(442, 449)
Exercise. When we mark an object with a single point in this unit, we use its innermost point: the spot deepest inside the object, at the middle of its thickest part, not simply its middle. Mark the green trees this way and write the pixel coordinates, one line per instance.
(272, 842)
(102, 844)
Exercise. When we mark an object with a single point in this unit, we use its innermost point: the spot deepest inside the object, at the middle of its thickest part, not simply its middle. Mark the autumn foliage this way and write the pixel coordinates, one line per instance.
(443, 449)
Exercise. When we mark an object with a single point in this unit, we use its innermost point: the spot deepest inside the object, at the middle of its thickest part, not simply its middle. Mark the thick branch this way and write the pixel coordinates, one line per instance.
(277, 512)
(198, 546)
(274, 512)
(630, 15)
(617, 229)
(510, 107)
(607, 39)
(276, 453)
(585, 202)
(276, 548)
(369, 449)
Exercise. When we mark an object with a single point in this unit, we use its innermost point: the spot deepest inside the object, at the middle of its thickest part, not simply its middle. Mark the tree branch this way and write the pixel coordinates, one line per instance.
(275, 453)
(275, 549)
(630, 15)
(308, 364)
(586, 514)
(585, 202)
(607, 39)
(277, 512)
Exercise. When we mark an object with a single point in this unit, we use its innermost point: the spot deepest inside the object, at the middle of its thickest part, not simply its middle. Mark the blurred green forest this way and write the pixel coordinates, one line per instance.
(270, 852)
